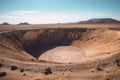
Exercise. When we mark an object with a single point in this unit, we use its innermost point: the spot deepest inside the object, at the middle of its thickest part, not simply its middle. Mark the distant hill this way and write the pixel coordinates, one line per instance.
(5, 23)
(99, 20)
(25, 23)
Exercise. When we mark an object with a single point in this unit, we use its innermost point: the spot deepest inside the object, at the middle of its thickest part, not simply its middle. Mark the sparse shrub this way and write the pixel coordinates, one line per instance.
(48, 71)
(13, 67)
(2, 74)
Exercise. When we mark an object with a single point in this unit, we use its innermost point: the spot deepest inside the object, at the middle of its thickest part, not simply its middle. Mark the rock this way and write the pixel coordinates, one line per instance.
(24, 74)
(99, 68)
(13, 67)
(48, 71)
(22, 70)
(118, 62)
(2, 74)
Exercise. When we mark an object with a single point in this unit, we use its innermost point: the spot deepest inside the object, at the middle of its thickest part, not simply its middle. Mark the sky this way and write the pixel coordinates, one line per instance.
(57, 11)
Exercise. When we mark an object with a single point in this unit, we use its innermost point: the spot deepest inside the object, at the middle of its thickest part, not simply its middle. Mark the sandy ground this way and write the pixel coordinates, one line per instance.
(87, 70)
(24, 27)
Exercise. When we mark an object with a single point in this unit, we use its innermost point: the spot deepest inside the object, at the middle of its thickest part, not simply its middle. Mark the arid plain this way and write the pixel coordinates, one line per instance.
(60, 52)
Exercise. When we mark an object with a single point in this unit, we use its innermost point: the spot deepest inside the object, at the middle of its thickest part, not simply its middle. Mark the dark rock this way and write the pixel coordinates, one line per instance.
(2, 74)
(48, 71)
(1, 64)
(13, 67)
(32, 59)
(22, 70)
(92, 71)
(118, 62)
(99, 68)
(24, 74)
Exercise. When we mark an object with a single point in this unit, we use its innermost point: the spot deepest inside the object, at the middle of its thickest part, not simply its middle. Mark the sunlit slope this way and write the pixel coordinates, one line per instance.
(11, 47)
(93, 44)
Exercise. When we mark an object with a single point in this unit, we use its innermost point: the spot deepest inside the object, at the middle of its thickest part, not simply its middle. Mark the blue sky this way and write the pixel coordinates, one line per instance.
(57, 11)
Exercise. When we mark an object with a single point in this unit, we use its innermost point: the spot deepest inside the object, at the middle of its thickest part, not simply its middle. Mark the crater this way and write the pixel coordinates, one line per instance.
(58, 44)
(36, 42)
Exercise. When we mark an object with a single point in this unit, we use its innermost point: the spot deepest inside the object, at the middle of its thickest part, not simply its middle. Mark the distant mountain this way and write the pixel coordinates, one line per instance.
(5, 23)
(24, 23)
(100, 21)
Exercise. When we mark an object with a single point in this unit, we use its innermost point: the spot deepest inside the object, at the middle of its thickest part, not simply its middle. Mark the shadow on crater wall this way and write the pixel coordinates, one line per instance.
(36, 42)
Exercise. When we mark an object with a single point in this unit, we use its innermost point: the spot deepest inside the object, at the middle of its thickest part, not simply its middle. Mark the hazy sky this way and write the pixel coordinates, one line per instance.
(57, 11)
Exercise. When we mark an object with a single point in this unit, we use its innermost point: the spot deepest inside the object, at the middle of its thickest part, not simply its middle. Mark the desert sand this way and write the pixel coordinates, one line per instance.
(60, 52)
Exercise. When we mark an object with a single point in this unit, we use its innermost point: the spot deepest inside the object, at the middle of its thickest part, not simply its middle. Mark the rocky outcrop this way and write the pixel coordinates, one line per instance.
(5, 23)
(25, 23)
(100, 21)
